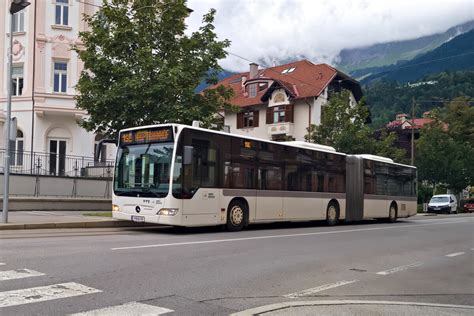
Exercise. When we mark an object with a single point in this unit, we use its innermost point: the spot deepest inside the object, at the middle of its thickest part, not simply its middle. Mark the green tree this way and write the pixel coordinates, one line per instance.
(459, 115)
(344, 127)
(141, 68)
(442, 159)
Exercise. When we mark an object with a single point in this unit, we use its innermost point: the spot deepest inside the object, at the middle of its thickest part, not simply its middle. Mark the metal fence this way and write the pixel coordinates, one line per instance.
(54, 164)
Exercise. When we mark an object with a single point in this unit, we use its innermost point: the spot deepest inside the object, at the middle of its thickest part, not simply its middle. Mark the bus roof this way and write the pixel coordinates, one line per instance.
(383, 159)
(297, 144)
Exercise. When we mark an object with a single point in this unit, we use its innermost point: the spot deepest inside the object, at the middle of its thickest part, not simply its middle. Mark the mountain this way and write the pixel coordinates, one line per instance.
(221, 75)
(456, 54)
(384, 54)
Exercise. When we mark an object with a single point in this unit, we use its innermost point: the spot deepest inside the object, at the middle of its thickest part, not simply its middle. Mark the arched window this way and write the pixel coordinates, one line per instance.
(103, 149)
(16, 147)
(58, 139)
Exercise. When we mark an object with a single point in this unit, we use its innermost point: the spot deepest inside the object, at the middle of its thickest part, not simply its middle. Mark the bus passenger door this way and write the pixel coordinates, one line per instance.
(354, 189)
(269, 198)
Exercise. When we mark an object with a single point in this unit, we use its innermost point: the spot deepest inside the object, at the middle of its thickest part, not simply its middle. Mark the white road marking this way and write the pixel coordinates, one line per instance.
(287, 235)
(401, 268)
(18, 274)
(132, 308)
(455, 254)
(2, 263)
(44, 293)
(267, 309)
(317, 289)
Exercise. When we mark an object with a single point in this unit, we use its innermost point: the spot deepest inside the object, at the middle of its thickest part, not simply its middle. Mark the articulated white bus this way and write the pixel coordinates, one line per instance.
(180, 175)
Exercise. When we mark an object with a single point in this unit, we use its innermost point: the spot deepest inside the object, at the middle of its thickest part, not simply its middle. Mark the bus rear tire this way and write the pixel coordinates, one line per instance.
(332, 214)
(392, 213)
(236, 215)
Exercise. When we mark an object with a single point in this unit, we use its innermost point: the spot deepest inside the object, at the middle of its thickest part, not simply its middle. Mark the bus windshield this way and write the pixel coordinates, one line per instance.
(143, 170)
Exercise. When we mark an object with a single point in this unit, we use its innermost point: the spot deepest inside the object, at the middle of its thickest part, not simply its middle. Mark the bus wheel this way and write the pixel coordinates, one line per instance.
(332, 213)
(236, 214)
(392, 213)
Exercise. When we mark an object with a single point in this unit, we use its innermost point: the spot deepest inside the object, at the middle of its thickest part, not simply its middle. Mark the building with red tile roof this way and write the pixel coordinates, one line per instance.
(282, 101)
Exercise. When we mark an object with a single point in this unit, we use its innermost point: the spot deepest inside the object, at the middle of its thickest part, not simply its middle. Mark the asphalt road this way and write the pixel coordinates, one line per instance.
(208, 271)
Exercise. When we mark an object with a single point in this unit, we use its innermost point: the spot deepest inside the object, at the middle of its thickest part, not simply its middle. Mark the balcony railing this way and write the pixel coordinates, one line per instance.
(54, 164)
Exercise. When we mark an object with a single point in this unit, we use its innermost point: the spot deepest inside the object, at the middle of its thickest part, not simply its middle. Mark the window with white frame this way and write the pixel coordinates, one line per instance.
(60, 76)
(16, 149)
(252, 89)
(19, 21)
(62, 12)
(17, 80)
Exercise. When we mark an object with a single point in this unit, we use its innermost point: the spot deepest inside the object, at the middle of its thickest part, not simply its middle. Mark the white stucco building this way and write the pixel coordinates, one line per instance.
(45, 72)
(281, 102)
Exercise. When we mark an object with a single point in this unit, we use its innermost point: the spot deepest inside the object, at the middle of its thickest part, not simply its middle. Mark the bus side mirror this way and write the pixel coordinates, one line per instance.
(188, 155)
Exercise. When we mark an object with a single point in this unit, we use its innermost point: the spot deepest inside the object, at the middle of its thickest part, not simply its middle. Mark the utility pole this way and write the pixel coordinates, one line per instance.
(413, 131)
(15, 6)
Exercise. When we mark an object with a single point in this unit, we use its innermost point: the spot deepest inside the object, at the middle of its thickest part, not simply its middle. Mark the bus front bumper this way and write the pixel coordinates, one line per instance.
(153, 219)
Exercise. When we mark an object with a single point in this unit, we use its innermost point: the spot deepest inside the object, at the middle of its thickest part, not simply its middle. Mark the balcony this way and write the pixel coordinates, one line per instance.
(286, 128)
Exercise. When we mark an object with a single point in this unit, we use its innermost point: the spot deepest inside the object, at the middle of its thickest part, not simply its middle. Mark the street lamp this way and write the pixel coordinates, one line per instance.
(15, 6)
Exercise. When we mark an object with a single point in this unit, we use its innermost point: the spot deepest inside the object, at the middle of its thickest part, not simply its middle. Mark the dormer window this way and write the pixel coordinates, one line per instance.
(252, 90)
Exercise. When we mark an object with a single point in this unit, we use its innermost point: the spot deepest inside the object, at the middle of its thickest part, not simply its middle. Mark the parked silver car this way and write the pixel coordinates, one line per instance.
(443, 203)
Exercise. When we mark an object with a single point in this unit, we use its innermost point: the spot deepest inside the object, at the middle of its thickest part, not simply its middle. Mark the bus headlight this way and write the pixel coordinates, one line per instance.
(168, 211)
(115, 208)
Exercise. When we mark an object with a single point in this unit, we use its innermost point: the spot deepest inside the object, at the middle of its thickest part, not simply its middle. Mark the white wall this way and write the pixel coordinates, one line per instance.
(259, 132)
(301, 117)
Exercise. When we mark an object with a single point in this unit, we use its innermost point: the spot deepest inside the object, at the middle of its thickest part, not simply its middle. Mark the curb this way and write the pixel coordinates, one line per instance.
(280, 306)
(98, 224)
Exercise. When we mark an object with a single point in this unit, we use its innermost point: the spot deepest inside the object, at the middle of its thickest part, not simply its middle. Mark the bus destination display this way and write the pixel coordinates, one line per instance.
(144, 136)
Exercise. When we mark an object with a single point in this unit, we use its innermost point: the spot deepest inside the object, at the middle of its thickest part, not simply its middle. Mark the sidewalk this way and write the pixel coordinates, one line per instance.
(61, 219)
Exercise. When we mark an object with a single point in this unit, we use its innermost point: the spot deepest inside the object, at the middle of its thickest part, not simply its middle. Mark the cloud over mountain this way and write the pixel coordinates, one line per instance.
(266, 30)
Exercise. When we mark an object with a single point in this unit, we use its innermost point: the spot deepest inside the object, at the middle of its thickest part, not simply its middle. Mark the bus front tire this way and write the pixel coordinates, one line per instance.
(236, 215)
(392, 213)
(332, 214)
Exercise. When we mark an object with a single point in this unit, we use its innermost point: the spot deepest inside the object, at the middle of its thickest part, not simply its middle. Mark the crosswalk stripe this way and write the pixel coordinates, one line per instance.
(2, 263)
(44, 293)
(132, 308)
(18, 274)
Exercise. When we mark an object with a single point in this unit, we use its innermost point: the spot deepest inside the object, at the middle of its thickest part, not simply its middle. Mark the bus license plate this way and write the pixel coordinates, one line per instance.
(139, 219)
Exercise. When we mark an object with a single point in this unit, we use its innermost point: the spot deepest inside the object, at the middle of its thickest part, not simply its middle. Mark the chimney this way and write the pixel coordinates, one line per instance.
(253, 71)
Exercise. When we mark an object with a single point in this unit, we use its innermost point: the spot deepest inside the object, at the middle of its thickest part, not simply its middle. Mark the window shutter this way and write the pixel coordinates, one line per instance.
(289, 109)
(240, 120)
(255, 118)
(269, 115)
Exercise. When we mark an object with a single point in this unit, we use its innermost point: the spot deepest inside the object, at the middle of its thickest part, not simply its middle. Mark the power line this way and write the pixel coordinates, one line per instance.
(91, 4)
(340, 80)
(422, 63)
(270, 69)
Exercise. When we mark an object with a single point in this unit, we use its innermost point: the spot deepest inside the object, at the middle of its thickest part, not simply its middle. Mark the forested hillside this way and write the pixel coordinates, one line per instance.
(457, 54)
(387, 98)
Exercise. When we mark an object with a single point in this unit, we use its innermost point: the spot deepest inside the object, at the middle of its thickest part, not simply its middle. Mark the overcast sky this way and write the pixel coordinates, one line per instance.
(264, 30)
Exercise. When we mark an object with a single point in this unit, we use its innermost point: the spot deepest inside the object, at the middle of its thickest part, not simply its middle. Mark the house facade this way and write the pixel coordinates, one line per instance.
(45, 72)
(281, 102)
(404, 127)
